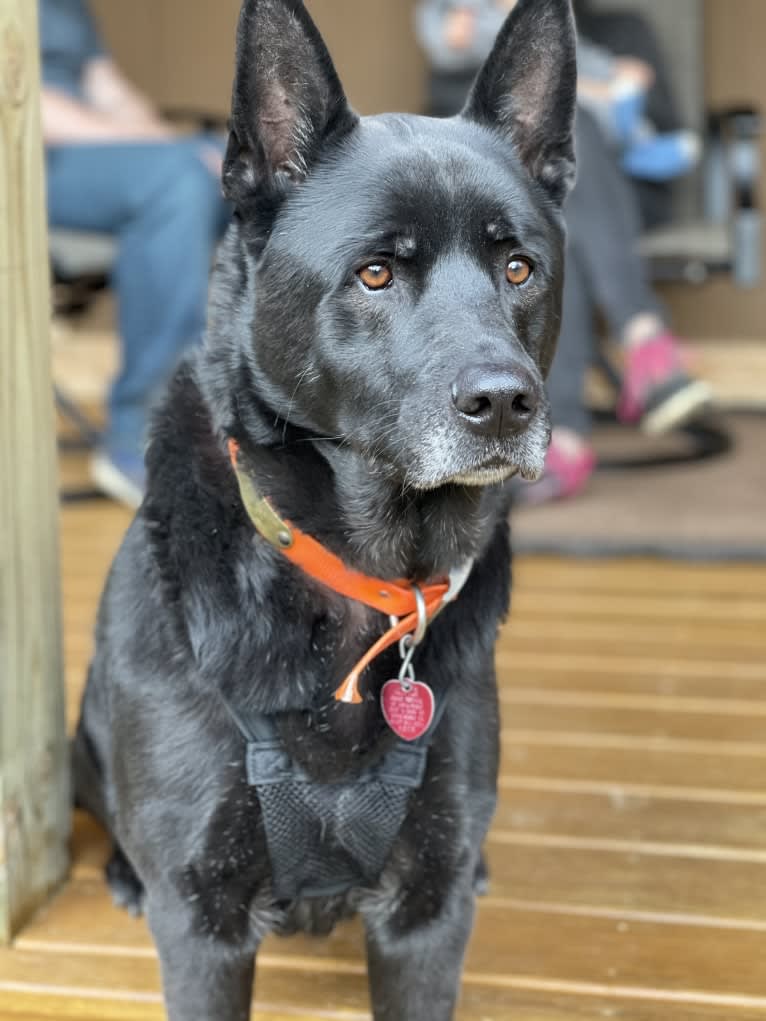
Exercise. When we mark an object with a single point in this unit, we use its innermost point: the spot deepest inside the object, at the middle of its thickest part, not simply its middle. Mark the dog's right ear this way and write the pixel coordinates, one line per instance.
(527, 89)
(287, 100)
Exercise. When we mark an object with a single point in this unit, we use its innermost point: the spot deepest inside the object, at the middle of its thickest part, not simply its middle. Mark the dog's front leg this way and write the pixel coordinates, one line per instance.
(203, 977)
(415, 957)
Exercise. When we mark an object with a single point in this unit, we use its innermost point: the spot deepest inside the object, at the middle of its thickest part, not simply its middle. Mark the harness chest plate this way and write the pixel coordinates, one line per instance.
(325, 838)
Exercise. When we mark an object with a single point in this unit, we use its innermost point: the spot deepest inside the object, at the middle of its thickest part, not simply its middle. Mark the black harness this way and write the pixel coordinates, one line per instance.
(325, 838)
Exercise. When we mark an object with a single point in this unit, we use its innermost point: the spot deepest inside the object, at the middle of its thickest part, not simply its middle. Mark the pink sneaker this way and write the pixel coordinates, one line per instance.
(657, 392)
(565, 475)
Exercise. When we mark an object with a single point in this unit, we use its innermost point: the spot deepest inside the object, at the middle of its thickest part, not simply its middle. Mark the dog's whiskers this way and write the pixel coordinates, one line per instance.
(301, 379)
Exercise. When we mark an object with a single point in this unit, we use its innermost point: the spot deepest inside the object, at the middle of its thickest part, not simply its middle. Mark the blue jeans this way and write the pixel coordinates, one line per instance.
(166, 209)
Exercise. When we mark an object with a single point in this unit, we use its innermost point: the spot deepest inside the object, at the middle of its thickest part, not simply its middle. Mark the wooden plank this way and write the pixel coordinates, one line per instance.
(91, 533)
(631, 575)
(622, 816)
(89, 941)
(34, 802)
(717, 658)
(694, 774)
(594, 741)
(722, 642)
(138, 1000)
(717, 882)
(593, 816)
(131, 993)
(715, 704)
(629, 879)
(545, 604)
(557, 676)
(688, 725)
(514, 663)
(736, 733)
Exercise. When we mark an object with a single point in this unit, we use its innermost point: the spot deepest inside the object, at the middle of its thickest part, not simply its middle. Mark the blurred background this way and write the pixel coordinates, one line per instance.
(698, 489)
(713, 49)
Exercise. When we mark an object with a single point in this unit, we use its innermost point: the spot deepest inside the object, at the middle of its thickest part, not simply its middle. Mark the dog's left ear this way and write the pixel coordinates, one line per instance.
(287, 101)
(527, 90)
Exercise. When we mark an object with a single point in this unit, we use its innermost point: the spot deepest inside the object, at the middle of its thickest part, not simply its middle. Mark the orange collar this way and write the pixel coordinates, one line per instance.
(399, 599)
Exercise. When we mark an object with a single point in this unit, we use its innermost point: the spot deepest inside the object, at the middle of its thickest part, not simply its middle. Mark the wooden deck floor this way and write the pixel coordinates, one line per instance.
(629, 850)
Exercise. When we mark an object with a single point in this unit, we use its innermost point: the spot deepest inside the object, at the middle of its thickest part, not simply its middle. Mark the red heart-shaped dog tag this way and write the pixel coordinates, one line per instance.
(408, 710)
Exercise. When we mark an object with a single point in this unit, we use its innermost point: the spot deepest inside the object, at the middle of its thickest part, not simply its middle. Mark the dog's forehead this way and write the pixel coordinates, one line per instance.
(409, 174)
(439, 160)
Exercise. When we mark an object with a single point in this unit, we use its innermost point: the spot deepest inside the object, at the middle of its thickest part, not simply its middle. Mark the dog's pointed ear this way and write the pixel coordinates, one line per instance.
(527, 90)
(287, 100)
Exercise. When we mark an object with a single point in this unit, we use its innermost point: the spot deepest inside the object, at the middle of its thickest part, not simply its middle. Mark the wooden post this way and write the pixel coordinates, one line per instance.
(34, 778)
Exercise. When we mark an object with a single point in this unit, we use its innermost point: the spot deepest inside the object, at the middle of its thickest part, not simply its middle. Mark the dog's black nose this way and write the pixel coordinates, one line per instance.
(495, 401)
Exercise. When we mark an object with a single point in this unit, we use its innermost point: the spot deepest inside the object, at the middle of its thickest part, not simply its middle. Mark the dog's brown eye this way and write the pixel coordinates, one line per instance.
(518, 271)
(376, 276)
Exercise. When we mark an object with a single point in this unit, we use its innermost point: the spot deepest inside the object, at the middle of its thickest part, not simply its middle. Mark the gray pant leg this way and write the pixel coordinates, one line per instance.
(603, 223)
(602, 271)
(574, 353)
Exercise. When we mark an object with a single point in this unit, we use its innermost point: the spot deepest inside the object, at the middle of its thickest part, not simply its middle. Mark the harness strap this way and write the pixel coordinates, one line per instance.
(257, 727)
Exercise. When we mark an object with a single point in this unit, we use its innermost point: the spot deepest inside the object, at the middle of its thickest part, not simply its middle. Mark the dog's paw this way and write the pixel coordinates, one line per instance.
(126, 888)
(481, 878)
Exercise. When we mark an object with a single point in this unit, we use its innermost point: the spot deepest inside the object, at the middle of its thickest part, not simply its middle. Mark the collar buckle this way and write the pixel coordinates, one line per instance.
(274, 529)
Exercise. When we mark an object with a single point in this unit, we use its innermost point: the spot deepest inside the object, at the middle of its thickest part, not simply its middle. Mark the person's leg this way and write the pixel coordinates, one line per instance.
(604, 227)
(164, 206)
(570, 461)
(574, 353)
(161, 280)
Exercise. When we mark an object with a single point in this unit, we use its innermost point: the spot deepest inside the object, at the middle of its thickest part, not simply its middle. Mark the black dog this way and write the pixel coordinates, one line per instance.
(385, 308)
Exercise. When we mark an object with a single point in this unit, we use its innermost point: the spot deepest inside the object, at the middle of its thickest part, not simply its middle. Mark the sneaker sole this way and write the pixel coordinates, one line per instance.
(113, 483)
(677, 408)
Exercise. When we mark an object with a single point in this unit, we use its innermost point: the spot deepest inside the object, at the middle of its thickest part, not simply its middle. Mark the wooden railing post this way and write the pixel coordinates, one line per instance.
(34, 777)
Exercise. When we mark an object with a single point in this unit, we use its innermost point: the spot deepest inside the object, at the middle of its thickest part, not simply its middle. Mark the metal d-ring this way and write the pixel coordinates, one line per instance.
(420, 603)
(408, 643)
